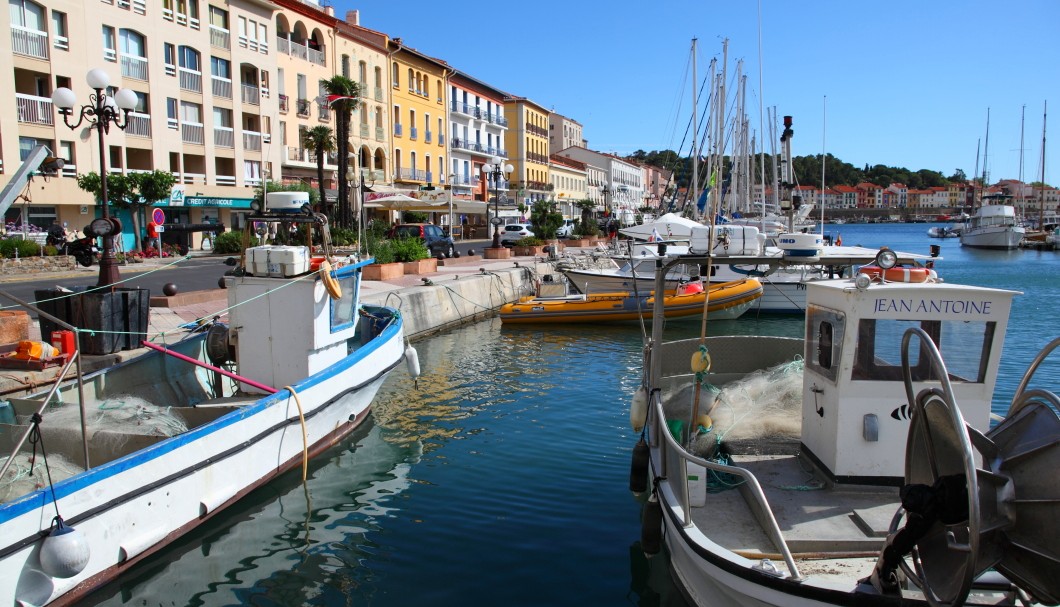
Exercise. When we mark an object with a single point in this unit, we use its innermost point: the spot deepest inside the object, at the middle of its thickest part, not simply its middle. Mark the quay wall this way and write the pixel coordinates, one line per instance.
(452, 301)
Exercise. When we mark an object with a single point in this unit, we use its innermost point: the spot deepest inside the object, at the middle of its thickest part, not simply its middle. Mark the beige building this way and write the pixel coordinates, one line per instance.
(563, 133)
(527, 143)
(569, 179)
(206, 106)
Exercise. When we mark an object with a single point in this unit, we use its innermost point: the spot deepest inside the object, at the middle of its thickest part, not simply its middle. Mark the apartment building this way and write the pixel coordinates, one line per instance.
(202, 74)
(622, 191)
(570, 182)
(477, 128)
(417, 85)
(564, 132)
(527, 143)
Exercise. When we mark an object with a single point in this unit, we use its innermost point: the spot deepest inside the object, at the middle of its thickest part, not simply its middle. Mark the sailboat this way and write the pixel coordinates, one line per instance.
(994, 224)
(1041, 229)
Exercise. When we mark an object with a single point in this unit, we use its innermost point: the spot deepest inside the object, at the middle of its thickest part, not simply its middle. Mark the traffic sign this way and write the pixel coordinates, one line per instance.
(158, 216)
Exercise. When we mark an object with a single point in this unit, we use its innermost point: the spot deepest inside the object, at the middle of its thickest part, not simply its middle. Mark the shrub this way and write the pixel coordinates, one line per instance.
(410, 249)
(50, 250)
(343, 237)
(382, 251)
(228, 243)
(586, 228)
(16, 247)
(529, 241)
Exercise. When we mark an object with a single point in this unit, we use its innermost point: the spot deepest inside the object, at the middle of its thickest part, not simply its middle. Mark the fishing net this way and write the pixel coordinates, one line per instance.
(121, 414)
(766, 404)
(28, 474)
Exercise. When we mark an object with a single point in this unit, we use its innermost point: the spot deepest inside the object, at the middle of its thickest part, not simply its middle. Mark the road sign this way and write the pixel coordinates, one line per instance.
(158, 216)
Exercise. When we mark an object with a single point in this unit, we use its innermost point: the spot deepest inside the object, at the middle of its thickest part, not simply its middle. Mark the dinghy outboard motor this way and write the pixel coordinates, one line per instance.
(219, 350)
(1010, 515)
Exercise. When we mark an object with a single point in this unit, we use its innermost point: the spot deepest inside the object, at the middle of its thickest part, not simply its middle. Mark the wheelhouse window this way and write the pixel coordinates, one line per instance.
(964, 345)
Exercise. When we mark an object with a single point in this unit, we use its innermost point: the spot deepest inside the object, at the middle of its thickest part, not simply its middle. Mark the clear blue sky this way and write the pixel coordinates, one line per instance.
(900, 83)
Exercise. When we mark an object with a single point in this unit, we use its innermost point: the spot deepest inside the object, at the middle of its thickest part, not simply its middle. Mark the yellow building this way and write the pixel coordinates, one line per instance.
(526, 141)
(418, 85)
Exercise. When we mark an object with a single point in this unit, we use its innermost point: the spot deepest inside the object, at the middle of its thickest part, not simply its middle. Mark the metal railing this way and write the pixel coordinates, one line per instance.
(34, 110)
(222, 87)
(284, 103)
(251, 94)
(221, 38)
(191, 132)
(224, 137)
(190, 80)
(139, 125)
(31, 43)
(252, 141)
(134, 67)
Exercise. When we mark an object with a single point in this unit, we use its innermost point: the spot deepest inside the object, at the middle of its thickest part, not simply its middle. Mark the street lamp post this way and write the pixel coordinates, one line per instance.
(103, 111)
(358, 185)
(495, 171)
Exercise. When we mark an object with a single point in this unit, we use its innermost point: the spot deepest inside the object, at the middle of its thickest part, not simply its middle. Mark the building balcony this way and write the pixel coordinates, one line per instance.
(252, 141)
(380, 133)
(134, 67)
(414, 133)
(35, 110)
(323, 111)
(29, 42)
(304, 107)
(222, 87)
(258, 46)
(428, 137)
(224, 137)
(496, 119)
(405, 174)
(191, 132)
(378, 93)
(297, 49)
(284, 103)
(398, 128)
(220, 38)
(139, 125)
(364, 131)
(229, 180)
(251, 95)
(190, 80)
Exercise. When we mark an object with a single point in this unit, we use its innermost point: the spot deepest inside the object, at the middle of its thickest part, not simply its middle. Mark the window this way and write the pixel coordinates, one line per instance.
(964, 345)
(59, 30)
(171, 113)
(190, 113)
(218, 17)
(26, 145)
(222, 117)
(142, 106)
(363, 74)
(188, 58)
(346, 66)
(27, 14)
(412, 80)
(222, 68)
(110, 52)
(66, 152)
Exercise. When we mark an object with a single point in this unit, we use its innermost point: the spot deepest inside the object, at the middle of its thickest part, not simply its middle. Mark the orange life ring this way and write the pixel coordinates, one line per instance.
(897, 274)
(332, 286)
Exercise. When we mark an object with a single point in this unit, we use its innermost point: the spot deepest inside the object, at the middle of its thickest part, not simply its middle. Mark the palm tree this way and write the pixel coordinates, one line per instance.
(344, 95)
(320, 141)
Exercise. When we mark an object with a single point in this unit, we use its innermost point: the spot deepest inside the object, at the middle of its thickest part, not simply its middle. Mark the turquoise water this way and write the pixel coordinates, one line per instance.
(501, 475)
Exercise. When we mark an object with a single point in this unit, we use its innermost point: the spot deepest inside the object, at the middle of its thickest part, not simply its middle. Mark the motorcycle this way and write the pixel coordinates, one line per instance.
(82, 248)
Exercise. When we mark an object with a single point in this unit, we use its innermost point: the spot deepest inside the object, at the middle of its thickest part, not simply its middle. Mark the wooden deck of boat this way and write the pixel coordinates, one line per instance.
(816, 518)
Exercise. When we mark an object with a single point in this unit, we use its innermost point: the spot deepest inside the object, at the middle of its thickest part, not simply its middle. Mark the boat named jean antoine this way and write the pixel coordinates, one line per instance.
(178, 434)
(856, 466)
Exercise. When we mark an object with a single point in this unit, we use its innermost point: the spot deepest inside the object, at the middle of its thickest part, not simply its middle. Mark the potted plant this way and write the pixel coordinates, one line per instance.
(545, 220)
(414, 255)
(386, 267)
(529, 246)
(586, 230)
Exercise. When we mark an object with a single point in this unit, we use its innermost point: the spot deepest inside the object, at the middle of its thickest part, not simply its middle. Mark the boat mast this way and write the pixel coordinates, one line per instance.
(695, 128)
(1041, 186)
(761, 117)
(986, 157)
(1023, 197)
(719, 146)
(824, 131)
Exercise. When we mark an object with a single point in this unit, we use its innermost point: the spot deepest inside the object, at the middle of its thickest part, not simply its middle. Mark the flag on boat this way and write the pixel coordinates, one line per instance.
(655, 237)
(701, 204)
(333, 98)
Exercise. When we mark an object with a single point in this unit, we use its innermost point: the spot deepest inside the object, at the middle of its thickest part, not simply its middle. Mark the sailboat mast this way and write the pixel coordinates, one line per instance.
(1023, 197)
(718, 174)
(986, 156)
(695, 127)
(761, 113)
(824, 131)
(1041, 186)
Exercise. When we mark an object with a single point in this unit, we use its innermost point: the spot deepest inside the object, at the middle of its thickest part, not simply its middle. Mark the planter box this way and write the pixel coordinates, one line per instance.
(421, 266)
(383, 271)
(498, 253)
(528, 251)
(579, 242)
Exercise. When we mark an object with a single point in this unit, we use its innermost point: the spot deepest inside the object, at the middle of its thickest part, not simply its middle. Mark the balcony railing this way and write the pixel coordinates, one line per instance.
(378, 93)
(191, 178)
(398, 128)
(427, 137)
(284, 103)
(134, 67)
(139, 125)
(251, 94)
(411, 174)
(219, 37)
(364, 131)
(190, 80)
(31, 43)
(414, 133)
(316, 56)
(35, 110)
(496, 119)
(222, 87)
(380, 133)
(191, 132)
(304, 107)
(225, 179)
(252, 141)
(224, 137)
(324, 111)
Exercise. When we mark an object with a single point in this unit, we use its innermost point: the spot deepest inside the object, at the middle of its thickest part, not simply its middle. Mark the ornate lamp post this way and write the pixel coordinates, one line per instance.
(103, 111)
(495, 171)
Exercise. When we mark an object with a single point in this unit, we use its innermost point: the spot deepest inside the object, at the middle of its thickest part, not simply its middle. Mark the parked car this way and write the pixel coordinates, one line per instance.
(438, 242)
(513, 232)
(566, 230)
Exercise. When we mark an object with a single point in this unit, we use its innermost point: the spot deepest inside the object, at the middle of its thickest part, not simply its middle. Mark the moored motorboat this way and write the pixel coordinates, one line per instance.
(993, 226)
(724, 300)
(855, 466)
(161, 443)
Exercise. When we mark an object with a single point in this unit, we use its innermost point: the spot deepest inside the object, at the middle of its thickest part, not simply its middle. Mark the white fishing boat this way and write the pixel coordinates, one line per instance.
(162, 443)
(993, 226)
(783, 279)
(855, 466)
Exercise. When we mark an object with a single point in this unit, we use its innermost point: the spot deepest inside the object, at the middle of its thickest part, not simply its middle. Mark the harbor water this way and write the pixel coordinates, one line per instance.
(500, 476)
